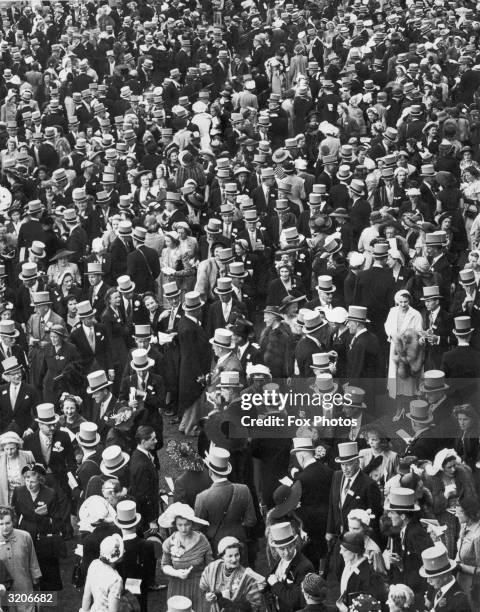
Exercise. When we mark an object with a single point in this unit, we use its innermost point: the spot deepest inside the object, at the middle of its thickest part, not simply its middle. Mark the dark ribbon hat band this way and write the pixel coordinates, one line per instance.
(122, 522)
(400, 507)
(80, 439)
(114, 467)
(348, 457)
(284, 540)
(445, 568)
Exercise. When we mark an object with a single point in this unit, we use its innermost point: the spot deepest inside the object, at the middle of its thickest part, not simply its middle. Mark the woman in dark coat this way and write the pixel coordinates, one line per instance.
(40, 515)
(118, 334)
(285, 284)
(277, 344)
(467, 444)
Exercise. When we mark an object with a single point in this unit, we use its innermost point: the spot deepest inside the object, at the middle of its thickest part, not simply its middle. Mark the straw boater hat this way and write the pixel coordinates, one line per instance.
(127, 515)
(402, 500)
(217, 460)
(113, 459)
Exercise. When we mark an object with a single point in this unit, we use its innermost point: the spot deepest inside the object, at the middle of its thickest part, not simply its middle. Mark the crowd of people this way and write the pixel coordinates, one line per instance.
(203, 204)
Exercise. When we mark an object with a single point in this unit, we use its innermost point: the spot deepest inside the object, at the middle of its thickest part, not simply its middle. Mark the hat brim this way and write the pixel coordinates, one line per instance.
(61, 254)
(310, 449)
(22, 278)
(196, 307)
(14, 334)
(107, 472)
(89, 444)
(333, 288)
(45, 303)
(104, 386)
(216, 470)
(341, 460)
(412, 418)
(55, 419)
(357, 320)
(219, 292)
(286, 543)
(464, 332)
(138, 518)
(415, 508)
(290, 503)
(131, 288)
(424, 574)
(424, 389)
(150, 363)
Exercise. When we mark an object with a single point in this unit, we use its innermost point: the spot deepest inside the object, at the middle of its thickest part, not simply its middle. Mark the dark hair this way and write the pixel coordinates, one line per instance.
(449, 458)
(470, 507)
(143, 433)
(8, 511)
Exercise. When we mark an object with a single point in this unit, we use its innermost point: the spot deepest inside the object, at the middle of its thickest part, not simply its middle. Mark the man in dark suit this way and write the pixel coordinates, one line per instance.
(375, 289)
(427, 438)
(32, 229)
(247, 351)
(226, 310)
(144, 476)
(461, 364)
(97, 288)
(445, 593)
(350, 489)
(132, 309)
(436, 243)
(31, 282)
(215, 504)
(327, 176)
(77, 240)
(315, 478)
(195, 357)
(17, 399)
(265, 195)
(53, 449)
(149, 392)
(312, 342)
(103, 404)
(360, 209)
(91, 341)
(364, 359)
(437, 324)
(120, 248)
(88, 439)
(409, 541)
(138, 561)
(143, 264)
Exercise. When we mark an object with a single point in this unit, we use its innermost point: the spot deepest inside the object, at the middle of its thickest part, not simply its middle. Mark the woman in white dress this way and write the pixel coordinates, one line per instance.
(403, 326)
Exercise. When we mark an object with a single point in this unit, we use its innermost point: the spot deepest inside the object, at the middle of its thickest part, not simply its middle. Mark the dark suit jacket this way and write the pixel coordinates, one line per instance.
(88, 468)
(94, 415)
(455, 600)
(61, 461)
(316, 478)
(143, 267)
(153, 401)
(144, 486)
(65, 363)
(444, 268)
(364, 358)
(363, 580)
(460, 363)
(426, 444)
(258, 197)
(443, 328)
(226, 518)
(195, 360)
(88, 359)
(360, 216)
(77, 242)
(21, 416)
(188, 485)
(375, 289)
(416, 540)
(36, 524)
(288, 591)
(215, 318)
(98, 304)
(251, 354)
(304, 350)
(364, 493)
(119, 252)
(139, 562)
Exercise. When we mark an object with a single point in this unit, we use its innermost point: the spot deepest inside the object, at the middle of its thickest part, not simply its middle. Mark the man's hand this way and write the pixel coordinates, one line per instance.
(41, 510)
(272, 579)
(210, 597)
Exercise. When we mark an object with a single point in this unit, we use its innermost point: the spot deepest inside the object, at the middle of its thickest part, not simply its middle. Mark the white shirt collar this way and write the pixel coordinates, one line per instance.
(448, 586)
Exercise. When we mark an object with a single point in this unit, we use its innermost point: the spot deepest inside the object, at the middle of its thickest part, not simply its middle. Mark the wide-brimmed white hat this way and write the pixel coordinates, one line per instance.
(179, 510)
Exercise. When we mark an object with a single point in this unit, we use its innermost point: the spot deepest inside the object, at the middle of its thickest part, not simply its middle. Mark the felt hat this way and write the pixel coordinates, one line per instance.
(434, 380)
(223, 339)
(127, 515)
(97, 380)
(113, 460)
(46, 414)
(282, 534)
(141, 361)
(419, 412)
(217, 459)
(88, 435)
(347, 451)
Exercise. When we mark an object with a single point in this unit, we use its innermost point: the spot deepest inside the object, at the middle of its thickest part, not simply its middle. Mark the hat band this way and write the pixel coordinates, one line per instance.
(348, 457)
(126, 522)
(219, 342)
(284, 540)
(172, 293)
(48, 420)
(194, 305)
(435, 387)
(115, 465)
(445, 568)
(417, 418)
(218, 468)
(100, 386)
(402, 506)
(80, 439)
(83, 315)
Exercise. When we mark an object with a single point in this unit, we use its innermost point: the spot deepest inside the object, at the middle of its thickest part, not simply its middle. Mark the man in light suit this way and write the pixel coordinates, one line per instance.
(17, 399)
(227, 360)
(227, 507)
(209, 270)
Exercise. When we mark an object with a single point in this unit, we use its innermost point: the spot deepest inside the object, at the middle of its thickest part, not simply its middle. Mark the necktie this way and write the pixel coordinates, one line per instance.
(91, 338)
(129, 309)
(431, 320)
(171, 320)
(13, 395)
(346, 487)
(141, 382)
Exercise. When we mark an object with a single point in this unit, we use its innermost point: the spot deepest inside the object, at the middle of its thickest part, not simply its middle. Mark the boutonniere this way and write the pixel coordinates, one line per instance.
(136, 304)
(288, 581)
(149, 387)
(57, 447)
(262, 229)
(442, 603)
(301, 257)
(59, 357)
